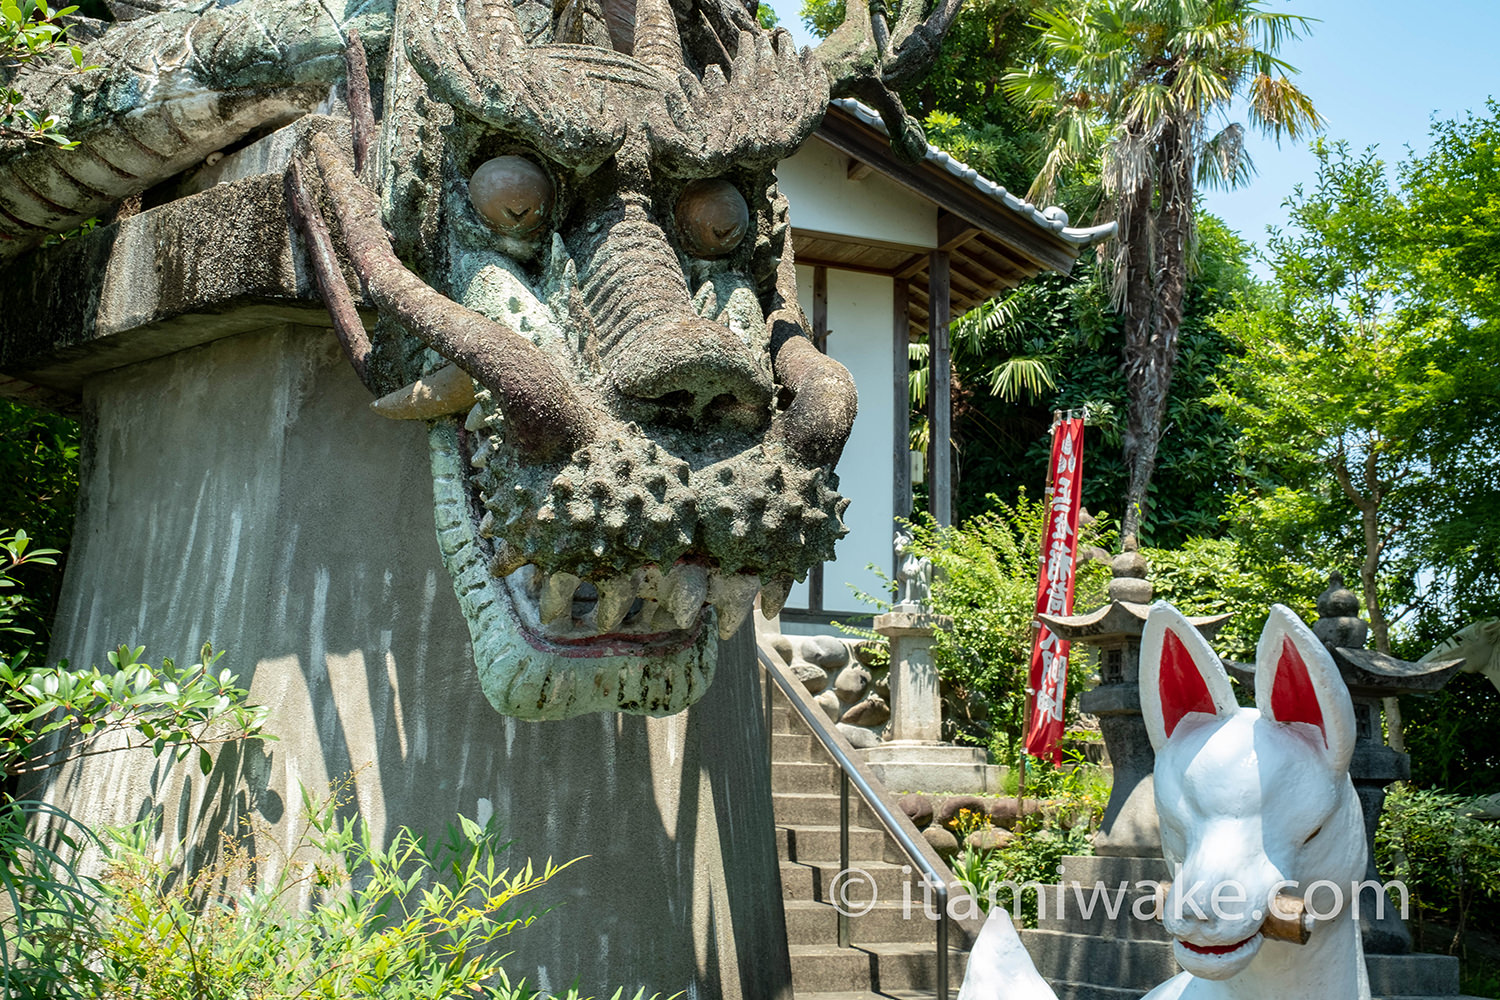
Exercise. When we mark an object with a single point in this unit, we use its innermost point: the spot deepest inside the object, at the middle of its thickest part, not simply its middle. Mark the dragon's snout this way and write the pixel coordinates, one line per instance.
(693, 372)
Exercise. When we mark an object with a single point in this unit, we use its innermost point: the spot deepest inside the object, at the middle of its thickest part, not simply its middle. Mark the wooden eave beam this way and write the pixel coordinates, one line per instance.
(953, 231)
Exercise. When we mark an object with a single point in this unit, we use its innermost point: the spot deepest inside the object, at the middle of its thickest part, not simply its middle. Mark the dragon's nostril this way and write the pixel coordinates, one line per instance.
(690, 373)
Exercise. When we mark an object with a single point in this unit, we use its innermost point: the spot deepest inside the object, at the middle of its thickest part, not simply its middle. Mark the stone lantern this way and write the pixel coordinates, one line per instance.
(1129, 827)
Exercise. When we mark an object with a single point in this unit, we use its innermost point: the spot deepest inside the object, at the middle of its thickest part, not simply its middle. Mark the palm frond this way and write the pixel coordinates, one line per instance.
(1223, 162)
(1022, 375)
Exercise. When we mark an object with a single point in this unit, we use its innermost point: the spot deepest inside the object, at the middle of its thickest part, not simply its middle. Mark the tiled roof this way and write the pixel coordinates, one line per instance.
(1051, 218)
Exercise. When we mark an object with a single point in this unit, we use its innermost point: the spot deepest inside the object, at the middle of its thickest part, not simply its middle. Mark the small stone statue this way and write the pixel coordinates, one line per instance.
(915, 577)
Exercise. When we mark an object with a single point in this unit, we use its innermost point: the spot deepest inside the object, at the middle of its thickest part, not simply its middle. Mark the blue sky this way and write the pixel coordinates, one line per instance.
(1377, 69)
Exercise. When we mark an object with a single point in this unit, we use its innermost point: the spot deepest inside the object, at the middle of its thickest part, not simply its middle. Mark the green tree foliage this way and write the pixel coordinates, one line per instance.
(1452, 736)
(1128, 89)
(38, 489)
(1067, 324)
(30, 30)
(961, 101)
(1214, 576)
(1331, 390)
(985, 579)
(1365, 404)
(1451, 237)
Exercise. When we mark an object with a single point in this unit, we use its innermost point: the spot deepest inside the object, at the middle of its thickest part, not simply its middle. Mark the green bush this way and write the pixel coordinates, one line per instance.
(52, 715)
(1210, 576)
(985, 577)
(1033, 856)
(411, 920)
(1449, 860)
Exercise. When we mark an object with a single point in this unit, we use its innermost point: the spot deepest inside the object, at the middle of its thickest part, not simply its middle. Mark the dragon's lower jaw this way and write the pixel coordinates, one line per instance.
(657, 660)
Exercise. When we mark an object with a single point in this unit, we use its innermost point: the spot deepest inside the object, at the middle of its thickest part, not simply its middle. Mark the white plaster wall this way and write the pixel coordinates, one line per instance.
(860, 331)
(824, 199)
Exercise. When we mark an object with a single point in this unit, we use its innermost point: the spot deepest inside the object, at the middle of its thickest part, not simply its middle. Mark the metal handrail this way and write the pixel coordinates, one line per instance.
(852, 772)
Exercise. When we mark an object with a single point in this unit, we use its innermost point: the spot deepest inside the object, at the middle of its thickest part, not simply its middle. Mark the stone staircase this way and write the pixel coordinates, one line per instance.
(894, 951)
(894, 944)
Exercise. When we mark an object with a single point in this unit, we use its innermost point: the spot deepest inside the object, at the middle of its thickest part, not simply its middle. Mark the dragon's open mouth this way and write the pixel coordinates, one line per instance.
(626, 549)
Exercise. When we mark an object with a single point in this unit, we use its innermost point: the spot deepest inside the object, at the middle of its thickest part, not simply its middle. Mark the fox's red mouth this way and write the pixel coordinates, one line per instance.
(1215, 949)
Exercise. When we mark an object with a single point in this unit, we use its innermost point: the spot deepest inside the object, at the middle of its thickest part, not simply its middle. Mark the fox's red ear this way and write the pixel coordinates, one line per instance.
(1296, 680)
(1180, 674)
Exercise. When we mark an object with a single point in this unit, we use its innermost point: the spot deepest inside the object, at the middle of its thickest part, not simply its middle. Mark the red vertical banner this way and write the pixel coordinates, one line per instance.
(1048, 682)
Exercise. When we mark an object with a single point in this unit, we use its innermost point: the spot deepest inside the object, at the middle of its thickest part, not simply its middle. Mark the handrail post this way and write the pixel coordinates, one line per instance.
(842, 878)
(942, 943)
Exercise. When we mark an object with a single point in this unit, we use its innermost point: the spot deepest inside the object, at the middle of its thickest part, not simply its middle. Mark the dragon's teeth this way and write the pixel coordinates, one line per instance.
(642, 619)
(487, 525)
(481, 456)
(705, 301)
(651, 584)
(734, 597)
(688, 589)
(557, 596)
(475, 420)
(773, 595)
(615, 598)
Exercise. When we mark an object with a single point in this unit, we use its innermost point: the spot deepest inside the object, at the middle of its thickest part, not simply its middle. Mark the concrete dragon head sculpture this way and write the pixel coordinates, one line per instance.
(568, 221)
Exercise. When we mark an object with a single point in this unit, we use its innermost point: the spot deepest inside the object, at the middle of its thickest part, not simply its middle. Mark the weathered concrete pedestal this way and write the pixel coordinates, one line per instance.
(241, 492)
(915, 758)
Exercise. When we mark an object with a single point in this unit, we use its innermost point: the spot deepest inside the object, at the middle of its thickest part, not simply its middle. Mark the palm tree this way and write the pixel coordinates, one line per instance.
(1130, 87)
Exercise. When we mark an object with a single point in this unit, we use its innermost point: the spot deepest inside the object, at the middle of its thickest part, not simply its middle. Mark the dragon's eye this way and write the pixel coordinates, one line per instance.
(513, 194)
(712, 218)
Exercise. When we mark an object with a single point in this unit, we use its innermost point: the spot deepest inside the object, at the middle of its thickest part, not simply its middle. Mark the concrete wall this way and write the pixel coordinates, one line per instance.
(242, 493)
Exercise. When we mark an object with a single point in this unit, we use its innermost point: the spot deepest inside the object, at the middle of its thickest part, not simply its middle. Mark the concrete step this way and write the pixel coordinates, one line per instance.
(797, 748)
(793, 777)
(914, 966)
(785, 720)
(821, 808)
(1113, 870)
(1118, 962)
(866, 969)
(815, 881)
(1397, 975)
(820, 968)
(812, 922)
(821, 843)
(1065, 991)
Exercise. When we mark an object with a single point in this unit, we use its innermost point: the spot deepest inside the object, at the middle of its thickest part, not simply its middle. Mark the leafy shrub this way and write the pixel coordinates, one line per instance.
(1453, 734)
(1034, 856)
(51, 715)
(985, 576)
(1210, 576)
(1449, 860)
(412, 920)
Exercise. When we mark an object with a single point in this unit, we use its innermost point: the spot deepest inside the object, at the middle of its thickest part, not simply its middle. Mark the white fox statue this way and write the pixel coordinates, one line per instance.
(1256, 805)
